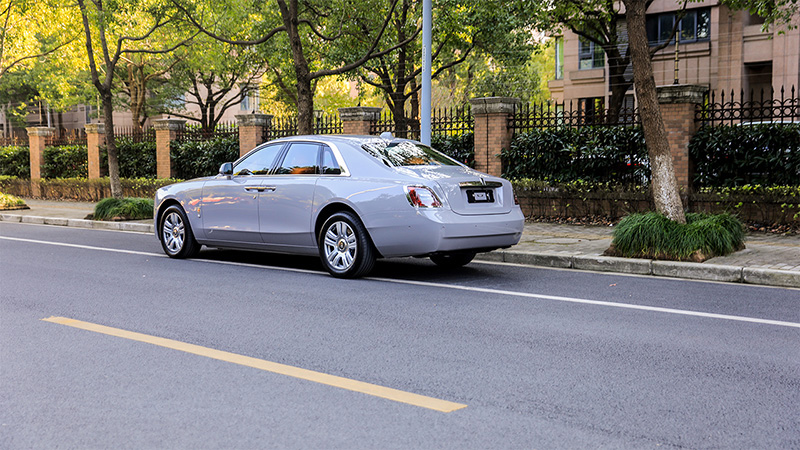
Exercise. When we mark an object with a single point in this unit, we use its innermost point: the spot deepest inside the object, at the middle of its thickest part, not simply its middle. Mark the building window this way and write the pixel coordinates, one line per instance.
(559, 58)
(590, 56)
(591, 110)
(694, 26)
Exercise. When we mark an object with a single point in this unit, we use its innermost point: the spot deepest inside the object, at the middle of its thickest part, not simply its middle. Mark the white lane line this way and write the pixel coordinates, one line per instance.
(461, 288)
(593, 302)
(85, 247)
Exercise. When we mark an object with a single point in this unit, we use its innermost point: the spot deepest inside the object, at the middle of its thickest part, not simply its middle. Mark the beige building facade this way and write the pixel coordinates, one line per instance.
(720, 49)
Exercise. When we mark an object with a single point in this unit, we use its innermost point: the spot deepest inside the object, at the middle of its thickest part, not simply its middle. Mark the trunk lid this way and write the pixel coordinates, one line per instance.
(468, 192)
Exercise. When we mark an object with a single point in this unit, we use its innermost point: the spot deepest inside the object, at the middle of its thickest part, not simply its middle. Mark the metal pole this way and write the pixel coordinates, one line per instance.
(425, 107)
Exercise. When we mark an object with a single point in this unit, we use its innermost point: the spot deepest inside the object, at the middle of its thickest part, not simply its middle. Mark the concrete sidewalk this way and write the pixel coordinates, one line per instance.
(769, 259)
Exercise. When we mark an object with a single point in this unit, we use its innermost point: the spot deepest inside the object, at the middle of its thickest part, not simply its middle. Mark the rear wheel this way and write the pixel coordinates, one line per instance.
(452, 260)
(176, 235)
(344, 246)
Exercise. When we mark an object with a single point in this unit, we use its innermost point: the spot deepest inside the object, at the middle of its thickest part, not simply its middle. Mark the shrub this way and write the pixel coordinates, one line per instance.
(593, 154)
(193, 159)
(652, 235)
(728, 156)
(65, 161)
(15, 161)
(126, 208)
(136, 159)
(460, 147)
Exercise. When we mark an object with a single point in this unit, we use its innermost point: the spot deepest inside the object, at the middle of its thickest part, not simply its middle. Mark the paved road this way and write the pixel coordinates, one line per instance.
(147, 352)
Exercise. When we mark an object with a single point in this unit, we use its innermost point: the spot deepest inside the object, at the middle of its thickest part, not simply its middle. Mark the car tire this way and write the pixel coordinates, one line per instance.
(175, 234)
(344, 246)
(452, 260)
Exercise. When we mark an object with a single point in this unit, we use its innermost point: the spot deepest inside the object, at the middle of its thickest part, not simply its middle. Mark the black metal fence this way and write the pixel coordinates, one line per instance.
(283, 126)
(196, 133)
(61, 137)
(761, 108)
(135, 134)
(451, 121)
(557, 115)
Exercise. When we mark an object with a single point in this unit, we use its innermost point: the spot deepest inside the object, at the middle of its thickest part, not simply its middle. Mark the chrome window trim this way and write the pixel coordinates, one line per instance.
(486, 184)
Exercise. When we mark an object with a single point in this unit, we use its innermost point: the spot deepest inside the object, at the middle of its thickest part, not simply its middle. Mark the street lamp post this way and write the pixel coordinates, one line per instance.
(425, 107)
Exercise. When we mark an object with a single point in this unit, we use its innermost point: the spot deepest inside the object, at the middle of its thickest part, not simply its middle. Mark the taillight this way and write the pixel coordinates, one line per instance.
(422, 197)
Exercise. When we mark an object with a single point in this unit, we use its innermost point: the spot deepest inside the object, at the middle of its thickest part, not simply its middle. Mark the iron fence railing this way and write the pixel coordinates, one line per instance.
(198, 133)
(135, 134)
(74, 136)
(444, 121)
(761, 108)
(555, 115)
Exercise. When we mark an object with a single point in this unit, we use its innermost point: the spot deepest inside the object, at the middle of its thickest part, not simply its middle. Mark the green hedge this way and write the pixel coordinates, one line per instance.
(593, 154)
(82, 189)
(728, 156)
(201, 159)
(460, 147)
(15, 161)
(761, 204)
(136, 159)
(65, 161)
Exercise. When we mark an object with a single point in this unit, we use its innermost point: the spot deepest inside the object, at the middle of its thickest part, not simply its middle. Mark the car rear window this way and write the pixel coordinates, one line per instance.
(407, 153)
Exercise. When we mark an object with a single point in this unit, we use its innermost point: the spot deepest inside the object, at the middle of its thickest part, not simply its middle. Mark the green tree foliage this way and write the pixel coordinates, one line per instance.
(214, 77)
(114, 30)
(309, 29)
(495, 31)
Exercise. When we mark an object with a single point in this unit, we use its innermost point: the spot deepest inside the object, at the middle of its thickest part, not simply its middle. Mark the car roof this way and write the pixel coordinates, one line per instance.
(353, 139)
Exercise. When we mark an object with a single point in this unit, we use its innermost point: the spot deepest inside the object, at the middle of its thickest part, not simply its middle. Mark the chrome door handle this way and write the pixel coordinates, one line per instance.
(255, 188)
(268, 188)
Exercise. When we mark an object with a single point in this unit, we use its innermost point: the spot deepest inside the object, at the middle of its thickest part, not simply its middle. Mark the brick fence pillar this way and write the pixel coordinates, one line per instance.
(37, 141)
(492, 134)
(95, 138)
(166, 132)
(251, 130)
(358, 119)
(678, 104)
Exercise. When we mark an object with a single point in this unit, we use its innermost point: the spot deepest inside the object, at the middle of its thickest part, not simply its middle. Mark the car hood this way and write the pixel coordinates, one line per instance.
(458, 184)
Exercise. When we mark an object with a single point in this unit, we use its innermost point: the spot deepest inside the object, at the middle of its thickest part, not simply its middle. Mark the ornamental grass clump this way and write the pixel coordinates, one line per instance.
(11, 202)
(652, 235)
(124, 209)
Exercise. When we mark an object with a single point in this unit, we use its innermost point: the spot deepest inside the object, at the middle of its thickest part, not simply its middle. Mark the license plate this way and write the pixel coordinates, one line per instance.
(480, 196)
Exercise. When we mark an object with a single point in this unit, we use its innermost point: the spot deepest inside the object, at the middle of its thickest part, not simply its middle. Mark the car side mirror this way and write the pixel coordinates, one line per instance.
(226, 169)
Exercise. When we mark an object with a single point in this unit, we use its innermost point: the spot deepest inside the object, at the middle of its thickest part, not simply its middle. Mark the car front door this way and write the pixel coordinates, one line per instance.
(229, 206)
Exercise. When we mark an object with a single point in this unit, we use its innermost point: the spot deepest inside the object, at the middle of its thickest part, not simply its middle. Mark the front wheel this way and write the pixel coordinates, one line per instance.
(452, 260)
(176, 235)
(344, 246)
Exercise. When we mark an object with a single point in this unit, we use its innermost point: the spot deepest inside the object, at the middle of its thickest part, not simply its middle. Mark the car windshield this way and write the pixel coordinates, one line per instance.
(407, 153)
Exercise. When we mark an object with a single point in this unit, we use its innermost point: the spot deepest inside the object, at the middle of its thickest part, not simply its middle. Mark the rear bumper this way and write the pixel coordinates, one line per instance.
(425, 231)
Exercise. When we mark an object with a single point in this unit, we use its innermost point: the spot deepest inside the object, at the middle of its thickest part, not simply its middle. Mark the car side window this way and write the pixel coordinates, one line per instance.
(300, 159)
(260, 162)
(329, 164)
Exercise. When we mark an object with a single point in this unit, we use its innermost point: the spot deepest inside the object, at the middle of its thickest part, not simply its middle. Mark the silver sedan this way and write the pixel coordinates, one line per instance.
(349, 199)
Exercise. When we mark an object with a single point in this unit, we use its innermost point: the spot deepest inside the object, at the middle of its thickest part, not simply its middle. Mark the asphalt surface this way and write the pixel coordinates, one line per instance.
(542, 358)
(768, 259)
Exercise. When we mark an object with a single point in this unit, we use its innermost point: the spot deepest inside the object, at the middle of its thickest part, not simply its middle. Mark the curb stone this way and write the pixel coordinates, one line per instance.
(771, 277)
(710, 272)
(612, 264)
(79, 223)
